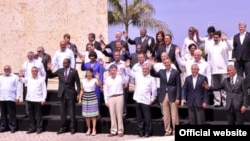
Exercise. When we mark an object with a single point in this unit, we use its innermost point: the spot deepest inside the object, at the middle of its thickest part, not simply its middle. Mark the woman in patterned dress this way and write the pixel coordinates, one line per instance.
(90, 109)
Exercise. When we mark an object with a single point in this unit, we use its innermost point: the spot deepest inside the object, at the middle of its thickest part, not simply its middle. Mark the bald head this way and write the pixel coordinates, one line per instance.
(63, 45)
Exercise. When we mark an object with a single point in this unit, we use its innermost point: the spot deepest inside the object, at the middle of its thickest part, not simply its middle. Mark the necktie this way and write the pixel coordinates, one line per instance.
(65, 74)
(232, 81)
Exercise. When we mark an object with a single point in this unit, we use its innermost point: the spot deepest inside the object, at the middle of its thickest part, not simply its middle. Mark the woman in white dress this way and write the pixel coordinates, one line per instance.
(88, 98)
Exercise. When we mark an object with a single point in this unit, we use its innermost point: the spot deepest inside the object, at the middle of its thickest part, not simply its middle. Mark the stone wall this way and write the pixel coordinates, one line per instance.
(27, 24)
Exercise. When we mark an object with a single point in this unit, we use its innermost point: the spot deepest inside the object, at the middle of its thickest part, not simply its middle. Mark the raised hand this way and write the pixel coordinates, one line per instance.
(101, 61)
(103, 46)
(205, 85)
(97, 75)
(149, 54)
(127, 63)
(223, 36)
(177, 50)
(101, 38)
(125, 34)
(49, 64)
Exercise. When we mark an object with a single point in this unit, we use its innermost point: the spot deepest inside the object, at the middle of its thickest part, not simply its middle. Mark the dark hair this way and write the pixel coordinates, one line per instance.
(89, 44)
(210, 29)
(192, 45)
(90, 70)
(112, 66)
(68, 60)
(159, 33)
(92, 35)
(217, 33)
(92, 53)
(66, 35)
(168, 36)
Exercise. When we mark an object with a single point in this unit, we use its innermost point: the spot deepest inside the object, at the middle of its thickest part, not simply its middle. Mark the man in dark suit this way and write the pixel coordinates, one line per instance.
(169, 94)
(92, 39)
(169, 48)
(241, 51)
(195, 96)
(68, 78)
(45, 59)
(134, 56)
(146, 41)
(112, 44)
(236, 100)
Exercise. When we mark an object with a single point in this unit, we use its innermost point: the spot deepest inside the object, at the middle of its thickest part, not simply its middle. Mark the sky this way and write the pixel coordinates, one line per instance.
(179, 15)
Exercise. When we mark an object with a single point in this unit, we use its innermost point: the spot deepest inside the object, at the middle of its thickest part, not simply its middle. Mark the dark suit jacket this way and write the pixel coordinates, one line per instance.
(124, 55)
(236, 95)
(67, 87)
(112, 45)
(173, 84)
(145, 44)
(46, 58)
(171, 54)
(134, 59)
(241, 52)
(195, 96)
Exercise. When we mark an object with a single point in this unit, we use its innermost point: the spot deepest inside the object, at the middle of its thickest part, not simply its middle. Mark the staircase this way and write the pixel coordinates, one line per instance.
(51, 112)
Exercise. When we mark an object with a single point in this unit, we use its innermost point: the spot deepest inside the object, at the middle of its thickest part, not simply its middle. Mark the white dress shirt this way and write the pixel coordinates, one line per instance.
(10, 88)
(27, 66)
(218, 57)
(59, 56)
(194, 80)
(113, 86)
(145, 87)
(36, 89)
(242, 37)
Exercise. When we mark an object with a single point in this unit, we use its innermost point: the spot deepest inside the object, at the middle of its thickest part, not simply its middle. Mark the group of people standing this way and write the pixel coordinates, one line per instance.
(161, 71)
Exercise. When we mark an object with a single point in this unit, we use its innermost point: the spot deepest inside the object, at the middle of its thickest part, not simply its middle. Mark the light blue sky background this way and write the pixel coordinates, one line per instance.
(179, 15)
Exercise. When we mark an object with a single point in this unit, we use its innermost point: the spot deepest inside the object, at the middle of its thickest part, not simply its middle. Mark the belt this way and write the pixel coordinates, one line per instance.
(115, 95)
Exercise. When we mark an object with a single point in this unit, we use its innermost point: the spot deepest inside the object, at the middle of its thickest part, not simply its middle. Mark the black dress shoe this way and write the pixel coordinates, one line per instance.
(141, 135)
(146, 135)
(2, 130)
(30, 131)
(72, 131)
(61, 131)
(12, 131)
(39, 131)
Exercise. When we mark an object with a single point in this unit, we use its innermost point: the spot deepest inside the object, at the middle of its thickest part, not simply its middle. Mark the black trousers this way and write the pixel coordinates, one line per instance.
(68, 105)
(243, 69)
(143, 117)
(196, 115)
(35, 116)
(234, 116)
(8, 108)
(24, 97)
(126, 93)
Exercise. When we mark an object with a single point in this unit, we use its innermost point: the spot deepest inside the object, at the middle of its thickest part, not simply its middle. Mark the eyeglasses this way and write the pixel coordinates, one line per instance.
(7, 69)
(39, 51)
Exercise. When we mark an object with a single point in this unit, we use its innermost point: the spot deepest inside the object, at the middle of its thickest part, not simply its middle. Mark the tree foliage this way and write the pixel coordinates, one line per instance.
(137, 13)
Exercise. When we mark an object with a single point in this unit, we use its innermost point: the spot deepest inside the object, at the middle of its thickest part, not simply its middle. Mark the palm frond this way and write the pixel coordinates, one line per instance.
(152, 24)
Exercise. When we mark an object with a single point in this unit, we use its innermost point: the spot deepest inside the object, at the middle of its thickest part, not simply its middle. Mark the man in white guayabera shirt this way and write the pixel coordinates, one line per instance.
(36, 95)
(145, 94)
(26, 71)
(9, 95)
